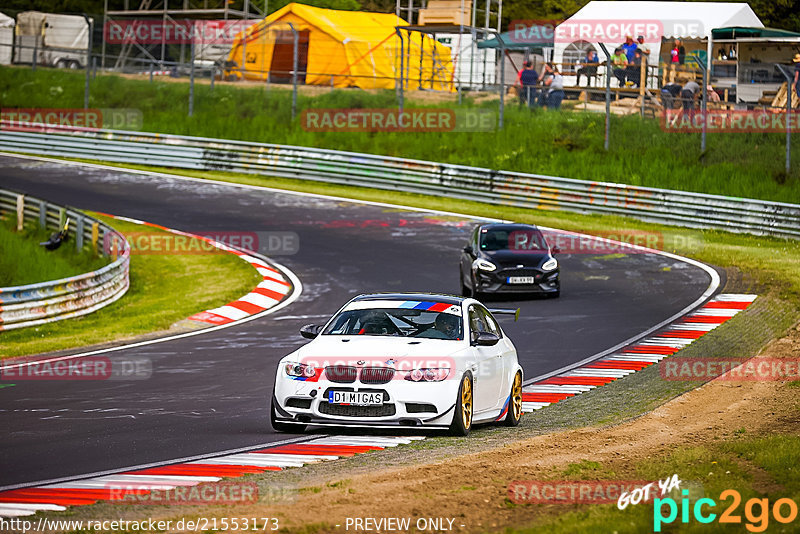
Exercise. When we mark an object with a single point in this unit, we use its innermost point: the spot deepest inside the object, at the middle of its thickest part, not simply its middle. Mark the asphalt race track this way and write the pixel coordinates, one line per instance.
(210, 392)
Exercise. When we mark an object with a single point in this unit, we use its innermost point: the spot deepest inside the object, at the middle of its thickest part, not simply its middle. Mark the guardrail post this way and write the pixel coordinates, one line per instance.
(42, 214)
(20, 212)
(79, 234)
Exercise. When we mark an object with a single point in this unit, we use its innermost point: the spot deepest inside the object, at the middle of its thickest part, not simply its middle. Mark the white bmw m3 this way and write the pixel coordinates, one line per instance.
(416, 360)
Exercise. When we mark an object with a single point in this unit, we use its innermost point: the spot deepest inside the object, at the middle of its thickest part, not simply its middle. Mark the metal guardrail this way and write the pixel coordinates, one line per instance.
(46, 302)
(692, 210)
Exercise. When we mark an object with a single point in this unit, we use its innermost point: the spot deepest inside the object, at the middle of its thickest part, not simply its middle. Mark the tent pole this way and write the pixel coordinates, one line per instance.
(296, 39)
(400, 85)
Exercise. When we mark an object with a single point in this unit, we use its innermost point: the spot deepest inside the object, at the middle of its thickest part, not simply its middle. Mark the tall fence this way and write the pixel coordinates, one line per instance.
(46, 302)
(692, 210)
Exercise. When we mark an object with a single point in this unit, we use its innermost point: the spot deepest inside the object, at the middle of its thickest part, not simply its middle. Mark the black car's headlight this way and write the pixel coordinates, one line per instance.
(550, 264)
(483, 265)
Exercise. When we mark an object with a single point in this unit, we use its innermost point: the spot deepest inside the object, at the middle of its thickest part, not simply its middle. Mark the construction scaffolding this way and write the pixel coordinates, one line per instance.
(459, 24)
(222, 17)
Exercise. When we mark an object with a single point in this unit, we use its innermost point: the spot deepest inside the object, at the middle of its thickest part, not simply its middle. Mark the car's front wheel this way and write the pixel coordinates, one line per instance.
(283, 427)
(462, 414)
(514, 402)
(465, 291)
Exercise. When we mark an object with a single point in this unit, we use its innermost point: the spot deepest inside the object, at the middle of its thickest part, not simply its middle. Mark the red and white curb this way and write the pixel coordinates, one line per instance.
(632, 358)
(140, 482)
(273, 288)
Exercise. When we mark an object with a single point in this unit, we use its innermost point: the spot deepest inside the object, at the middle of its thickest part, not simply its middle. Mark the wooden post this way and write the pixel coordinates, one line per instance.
(642, 80)
(95, 235)
(20, 212)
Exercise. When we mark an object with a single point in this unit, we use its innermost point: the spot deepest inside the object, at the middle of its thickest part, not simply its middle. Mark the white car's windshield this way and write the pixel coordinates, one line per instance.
(401, 322)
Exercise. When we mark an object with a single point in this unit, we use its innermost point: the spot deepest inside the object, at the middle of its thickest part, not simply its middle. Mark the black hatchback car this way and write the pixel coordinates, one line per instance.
(509, 258)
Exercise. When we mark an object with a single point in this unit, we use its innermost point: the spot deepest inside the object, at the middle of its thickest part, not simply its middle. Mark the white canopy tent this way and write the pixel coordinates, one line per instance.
(672, 20)
(6, 38)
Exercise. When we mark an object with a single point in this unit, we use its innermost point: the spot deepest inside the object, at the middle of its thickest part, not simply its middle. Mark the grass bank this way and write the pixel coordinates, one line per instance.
(164, 289)
(24, 261)
(563, 144)
(762, 468)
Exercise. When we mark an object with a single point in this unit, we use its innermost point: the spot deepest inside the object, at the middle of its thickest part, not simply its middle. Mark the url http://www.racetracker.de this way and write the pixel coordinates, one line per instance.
(200, 524)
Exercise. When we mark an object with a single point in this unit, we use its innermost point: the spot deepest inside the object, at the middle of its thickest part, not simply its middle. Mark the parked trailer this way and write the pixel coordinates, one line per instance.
(56, 40)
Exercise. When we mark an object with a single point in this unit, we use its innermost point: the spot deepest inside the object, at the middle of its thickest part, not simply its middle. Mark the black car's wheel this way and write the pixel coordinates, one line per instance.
(462, 415)
(515, 402)
(283, 427)
(465, 291)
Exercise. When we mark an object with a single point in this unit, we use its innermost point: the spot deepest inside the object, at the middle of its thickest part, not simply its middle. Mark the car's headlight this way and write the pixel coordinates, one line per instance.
(429, 374)
(483, 265)
(550, 264)
(300, 370)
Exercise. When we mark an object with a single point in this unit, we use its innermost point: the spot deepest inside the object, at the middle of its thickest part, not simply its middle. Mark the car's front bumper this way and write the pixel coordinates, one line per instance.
(497, 281)
(405, 403)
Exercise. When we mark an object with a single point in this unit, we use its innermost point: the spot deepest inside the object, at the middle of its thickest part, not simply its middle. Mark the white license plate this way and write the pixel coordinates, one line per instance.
(359, 398)
(521, 280)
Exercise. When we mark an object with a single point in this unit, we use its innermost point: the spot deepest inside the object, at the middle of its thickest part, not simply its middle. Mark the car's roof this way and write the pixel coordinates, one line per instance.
(508, 226)
(438, 297)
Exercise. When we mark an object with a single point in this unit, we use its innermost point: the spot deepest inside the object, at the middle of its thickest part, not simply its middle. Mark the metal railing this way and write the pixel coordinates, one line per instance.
(46, 302)
(686, 209)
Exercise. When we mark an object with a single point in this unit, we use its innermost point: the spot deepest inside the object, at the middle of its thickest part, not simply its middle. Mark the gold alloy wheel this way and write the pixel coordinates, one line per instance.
(466, 402)
(516, 397)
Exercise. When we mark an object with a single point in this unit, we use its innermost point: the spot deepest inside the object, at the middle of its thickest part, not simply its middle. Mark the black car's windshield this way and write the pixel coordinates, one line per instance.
(400, 322)
(515, 239)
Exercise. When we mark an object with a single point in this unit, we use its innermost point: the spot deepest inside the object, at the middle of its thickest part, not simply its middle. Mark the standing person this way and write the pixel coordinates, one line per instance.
(633, 72)
(554, 86)
(675, 53)
(689, 94)
(681, 52)
(629, 47)
(796, 62)
(642, 46)
(588, 68)
(527, 80)
(619, 62)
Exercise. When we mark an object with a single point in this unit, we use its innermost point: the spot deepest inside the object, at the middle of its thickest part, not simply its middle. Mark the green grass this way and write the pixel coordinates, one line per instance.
(23, 261)
(745, 465)
(563, 144)
(164, 289)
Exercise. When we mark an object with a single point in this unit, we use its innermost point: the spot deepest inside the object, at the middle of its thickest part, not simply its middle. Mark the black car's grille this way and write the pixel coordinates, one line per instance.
(376, 375)
(344, 410)
(341, 374)
(517, 272)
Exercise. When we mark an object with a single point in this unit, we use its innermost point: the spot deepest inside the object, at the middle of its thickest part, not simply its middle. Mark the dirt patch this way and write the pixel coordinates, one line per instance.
(472, 488)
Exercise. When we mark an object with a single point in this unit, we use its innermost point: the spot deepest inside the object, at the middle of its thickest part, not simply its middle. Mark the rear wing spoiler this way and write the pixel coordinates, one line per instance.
(506, 311)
